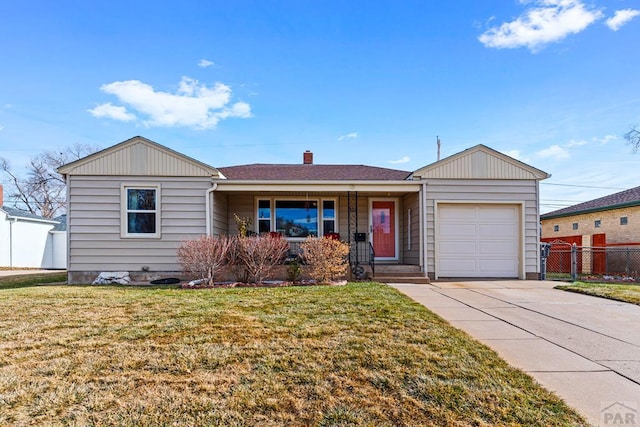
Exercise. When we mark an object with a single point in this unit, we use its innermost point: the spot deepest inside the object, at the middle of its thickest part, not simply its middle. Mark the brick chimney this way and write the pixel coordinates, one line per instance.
(307, 158)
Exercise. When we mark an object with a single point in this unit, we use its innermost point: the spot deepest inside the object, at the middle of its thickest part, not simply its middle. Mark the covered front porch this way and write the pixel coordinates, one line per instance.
(381, 221)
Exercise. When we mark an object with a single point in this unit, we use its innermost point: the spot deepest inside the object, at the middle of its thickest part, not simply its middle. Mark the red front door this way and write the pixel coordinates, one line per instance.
(383, 215)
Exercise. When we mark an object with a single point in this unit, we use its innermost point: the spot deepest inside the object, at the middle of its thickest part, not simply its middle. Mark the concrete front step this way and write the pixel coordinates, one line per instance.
(401, 279)
(397, 268)
(397, 274)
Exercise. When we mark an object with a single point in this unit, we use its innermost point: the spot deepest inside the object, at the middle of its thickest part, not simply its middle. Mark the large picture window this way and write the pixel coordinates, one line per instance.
(296, 218)
(140, 211)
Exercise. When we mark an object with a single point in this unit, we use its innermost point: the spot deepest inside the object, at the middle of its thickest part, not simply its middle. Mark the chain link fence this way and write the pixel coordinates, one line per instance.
(563, 261)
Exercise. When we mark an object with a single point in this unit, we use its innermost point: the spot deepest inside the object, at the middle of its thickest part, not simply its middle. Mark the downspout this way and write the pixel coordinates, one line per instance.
(208, 207)
(538, 232)
(422, 240)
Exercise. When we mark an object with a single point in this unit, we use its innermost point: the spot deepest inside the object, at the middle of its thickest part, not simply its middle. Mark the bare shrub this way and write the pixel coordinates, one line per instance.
(254, 258)
(205, 257)
(326, 257)
(235, 259)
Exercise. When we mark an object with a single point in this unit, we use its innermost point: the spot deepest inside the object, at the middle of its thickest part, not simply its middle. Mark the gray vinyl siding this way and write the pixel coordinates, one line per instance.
(95, 242)
(220, 212)
(242, 205)
(410, 256)
(480, 191)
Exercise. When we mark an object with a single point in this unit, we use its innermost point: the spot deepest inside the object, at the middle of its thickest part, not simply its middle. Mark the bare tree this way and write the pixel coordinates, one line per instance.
(42, 190)
(633, 138)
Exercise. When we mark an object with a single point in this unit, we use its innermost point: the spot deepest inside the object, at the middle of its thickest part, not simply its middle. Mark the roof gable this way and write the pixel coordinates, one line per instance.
(630, 197)
(309, 172)
(480, 162)
(138, 156)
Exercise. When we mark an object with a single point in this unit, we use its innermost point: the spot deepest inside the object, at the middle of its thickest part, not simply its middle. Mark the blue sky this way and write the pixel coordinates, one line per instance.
(553, 83)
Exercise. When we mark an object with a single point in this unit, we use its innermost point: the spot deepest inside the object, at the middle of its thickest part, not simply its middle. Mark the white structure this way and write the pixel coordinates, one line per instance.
(31, 241)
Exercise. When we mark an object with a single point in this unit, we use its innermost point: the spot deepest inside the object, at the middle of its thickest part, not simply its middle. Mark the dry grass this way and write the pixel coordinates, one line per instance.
(361, 354)
(625, 293)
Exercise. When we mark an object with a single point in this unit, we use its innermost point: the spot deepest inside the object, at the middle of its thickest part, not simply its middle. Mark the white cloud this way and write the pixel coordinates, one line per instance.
(555, 152)
(621, 17)
(513, 153)
(574, 143)
(405, 159)
(111, 111)
(204, 63)
(352, 135)
(193, 105)
(547, 21)
(606, 139)
(1, 127)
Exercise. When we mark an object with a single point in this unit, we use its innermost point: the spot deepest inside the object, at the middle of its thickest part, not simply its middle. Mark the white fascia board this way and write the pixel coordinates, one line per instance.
(386, 186)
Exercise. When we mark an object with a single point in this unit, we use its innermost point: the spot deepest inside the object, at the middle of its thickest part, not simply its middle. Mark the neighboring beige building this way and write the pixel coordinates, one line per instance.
(617, 216)
(473, 214)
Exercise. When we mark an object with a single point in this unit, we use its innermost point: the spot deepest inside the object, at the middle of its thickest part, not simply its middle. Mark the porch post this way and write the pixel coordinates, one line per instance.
(422, 228)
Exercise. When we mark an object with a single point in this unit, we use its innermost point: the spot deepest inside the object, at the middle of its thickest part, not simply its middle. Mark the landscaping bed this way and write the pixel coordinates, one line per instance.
(360, 354)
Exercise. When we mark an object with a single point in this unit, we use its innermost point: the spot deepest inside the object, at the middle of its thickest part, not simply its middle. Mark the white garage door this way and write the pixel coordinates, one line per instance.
(478, 241)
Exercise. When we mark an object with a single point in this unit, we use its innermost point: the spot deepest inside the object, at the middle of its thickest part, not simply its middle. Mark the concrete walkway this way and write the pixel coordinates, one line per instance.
(585, 349)
(5, 273)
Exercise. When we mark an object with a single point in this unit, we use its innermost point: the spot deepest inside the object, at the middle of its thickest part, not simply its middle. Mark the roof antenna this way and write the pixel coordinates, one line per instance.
(438, 142)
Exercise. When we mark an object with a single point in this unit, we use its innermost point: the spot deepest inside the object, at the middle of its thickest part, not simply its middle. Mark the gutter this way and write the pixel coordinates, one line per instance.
(318, 185)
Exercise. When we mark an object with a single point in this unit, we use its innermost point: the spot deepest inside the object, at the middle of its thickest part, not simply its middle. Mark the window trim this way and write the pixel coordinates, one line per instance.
(124, 233)
(319, 200)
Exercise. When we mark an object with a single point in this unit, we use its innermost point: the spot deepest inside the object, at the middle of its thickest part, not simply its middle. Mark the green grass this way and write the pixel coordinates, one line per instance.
(29, 280)
(361, 354)
(625, 293)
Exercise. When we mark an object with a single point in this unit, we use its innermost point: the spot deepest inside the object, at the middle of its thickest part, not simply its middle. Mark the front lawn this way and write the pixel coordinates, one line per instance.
(625, 293)
(361, 354)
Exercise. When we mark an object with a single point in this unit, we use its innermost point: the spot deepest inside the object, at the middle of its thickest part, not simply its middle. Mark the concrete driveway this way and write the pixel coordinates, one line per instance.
(586, 349)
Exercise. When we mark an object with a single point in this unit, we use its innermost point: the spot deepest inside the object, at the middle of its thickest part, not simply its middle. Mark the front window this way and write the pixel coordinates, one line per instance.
(264, 216)
(297, 218)
(328, 216)
(140, 216)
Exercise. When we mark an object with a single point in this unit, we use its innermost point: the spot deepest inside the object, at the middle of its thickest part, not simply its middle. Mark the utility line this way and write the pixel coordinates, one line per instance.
(583, 186)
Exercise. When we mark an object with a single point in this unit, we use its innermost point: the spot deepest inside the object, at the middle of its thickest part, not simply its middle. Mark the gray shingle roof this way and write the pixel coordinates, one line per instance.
(22, 214)
(630, 197)
(295, 172)
(62, 223)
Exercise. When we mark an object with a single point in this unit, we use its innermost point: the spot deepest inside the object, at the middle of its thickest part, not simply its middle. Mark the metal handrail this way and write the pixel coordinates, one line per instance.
(372, 256)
